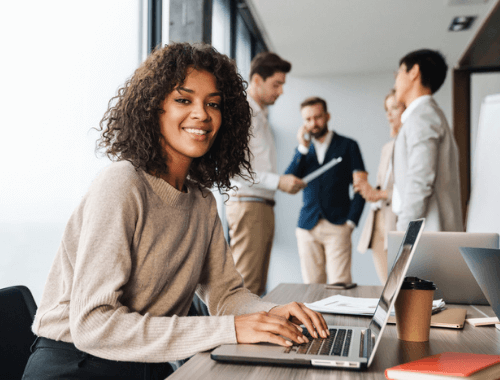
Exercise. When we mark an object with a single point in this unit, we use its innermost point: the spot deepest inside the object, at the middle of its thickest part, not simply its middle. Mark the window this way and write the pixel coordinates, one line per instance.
(221, 26)
(243, 48)
(63, 61)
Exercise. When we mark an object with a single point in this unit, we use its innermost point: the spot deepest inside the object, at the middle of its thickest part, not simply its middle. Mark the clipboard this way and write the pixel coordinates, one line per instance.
(315, 174)
(449, 318)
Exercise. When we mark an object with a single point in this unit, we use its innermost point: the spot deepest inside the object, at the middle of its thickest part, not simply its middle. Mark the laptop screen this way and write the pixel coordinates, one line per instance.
(394, 281)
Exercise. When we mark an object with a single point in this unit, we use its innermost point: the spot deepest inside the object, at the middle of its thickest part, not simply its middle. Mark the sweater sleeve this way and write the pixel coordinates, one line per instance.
(101, 325)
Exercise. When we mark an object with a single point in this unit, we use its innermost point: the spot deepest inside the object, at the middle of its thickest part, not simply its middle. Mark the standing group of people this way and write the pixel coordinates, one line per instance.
(419, 171)
(147, 237)
(418, 176)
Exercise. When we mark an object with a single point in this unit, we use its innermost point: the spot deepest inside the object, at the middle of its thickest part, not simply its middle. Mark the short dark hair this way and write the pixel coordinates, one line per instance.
(432, 66)
(312, 101)
(131, 127)
(266, 64)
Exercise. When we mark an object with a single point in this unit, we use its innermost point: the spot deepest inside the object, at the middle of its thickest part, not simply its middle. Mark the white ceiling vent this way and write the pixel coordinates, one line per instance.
(465, 2)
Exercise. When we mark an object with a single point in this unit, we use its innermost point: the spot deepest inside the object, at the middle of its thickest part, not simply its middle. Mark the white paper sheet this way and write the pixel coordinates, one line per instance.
(315, 174)
(340, 304)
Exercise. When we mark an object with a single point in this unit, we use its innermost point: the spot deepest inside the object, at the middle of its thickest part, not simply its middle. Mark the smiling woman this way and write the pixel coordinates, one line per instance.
(131, 127)
(189, 123)
(146, 237)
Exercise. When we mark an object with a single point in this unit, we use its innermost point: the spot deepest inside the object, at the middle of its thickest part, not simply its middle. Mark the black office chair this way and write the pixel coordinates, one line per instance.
(17, 311)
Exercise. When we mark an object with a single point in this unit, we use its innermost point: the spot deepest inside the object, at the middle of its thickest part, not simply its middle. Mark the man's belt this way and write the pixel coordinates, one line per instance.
(268, 202)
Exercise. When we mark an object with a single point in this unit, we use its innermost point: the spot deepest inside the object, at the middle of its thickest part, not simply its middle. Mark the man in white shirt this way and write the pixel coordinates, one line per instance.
(426, 171)
(249, 211)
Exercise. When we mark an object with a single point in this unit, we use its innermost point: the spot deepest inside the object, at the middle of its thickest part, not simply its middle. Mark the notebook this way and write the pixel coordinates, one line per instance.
(363, 341)
(447, 366)
(438, 259)
(448, 318)
(485, 266)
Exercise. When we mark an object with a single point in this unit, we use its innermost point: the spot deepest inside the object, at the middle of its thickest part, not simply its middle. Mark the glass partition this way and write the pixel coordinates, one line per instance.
(63, 61)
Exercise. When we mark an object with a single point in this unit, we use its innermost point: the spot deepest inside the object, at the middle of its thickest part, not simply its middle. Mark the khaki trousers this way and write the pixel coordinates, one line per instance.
(325, 253)
(377, 246)
(251, 232)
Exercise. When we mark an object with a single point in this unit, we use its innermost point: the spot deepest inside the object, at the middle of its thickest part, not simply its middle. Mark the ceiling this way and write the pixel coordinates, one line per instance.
(331, 37)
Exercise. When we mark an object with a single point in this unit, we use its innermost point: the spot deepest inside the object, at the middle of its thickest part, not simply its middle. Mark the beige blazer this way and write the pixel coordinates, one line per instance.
(390, 217)
(426, 172)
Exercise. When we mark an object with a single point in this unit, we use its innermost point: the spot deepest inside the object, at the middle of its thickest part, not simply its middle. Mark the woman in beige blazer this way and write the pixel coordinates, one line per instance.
(381, 218)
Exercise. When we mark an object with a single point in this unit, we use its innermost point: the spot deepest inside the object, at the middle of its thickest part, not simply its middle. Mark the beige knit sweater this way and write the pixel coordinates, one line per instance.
(131, 258)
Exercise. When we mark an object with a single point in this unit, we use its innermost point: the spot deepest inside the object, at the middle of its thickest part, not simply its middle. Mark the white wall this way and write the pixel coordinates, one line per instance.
(482, 85)
(59, 73)
(356, 105)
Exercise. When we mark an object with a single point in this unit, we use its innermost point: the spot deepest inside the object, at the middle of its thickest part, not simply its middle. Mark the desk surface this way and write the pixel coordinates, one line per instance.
(391, 351)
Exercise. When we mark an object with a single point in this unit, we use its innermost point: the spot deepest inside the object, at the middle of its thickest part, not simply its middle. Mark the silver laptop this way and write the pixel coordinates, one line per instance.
(438, 259)
(348, 346)
(484, 264)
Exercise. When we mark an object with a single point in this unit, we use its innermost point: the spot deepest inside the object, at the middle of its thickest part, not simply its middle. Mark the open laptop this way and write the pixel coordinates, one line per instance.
(484, 264)
(348, 346)
(438, 259)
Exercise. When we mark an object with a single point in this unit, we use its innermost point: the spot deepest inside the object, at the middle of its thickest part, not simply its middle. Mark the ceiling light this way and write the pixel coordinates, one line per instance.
(461, 23)
(465, 2)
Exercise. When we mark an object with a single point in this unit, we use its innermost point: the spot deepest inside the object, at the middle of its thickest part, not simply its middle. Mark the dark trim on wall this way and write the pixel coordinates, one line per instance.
(233, 14)
(484, 49)
(154, 24)
(462, 131)
(252, 27)
(207, 21)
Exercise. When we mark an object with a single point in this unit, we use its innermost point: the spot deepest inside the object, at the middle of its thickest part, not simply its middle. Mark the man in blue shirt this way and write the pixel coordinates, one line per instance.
(328, 215)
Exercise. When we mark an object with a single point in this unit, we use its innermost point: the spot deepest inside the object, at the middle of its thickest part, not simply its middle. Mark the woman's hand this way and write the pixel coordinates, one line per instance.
(280, 323)
(360, 185)
(369, 193)
(298, 313)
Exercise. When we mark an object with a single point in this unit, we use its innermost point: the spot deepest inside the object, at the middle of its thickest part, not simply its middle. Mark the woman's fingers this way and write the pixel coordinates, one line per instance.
(299, 313)
(317, 320)
(262, 327)
(312, 320)
(280, 325)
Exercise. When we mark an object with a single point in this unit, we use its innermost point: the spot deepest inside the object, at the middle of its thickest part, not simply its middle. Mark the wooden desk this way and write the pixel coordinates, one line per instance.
(391, 351)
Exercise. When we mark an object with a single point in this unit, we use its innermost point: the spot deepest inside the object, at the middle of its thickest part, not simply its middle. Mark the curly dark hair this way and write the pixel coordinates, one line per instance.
(131, 129)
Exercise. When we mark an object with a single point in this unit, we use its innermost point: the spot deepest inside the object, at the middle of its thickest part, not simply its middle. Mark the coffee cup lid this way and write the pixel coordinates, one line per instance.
(417, 283)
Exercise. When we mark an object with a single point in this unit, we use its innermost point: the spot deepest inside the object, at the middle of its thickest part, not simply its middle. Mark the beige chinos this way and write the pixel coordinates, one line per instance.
(325, 252)
(251, 232)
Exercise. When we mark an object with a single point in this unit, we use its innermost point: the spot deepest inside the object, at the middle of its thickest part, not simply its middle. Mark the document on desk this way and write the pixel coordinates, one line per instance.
(340, 304)
(315, 174)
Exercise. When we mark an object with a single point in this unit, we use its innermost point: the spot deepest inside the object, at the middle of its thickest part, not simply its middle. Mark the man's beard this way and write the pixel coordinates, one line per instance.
(320, 133)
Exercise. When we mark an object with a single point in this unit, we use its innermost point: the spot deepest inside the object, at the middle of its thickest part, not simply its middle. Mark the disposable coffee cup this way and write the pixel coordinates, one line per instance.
(414, 309)
(359, 176)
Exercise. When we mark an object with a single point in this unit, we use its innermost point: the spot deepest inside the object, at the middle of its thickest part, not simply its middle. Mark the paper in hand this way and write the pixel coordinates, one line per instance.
(315, 174)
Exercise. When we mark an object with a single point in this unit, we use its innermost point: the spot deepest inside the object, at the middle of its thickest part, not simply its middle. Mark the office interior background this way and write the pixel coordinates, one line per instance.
(64, 60)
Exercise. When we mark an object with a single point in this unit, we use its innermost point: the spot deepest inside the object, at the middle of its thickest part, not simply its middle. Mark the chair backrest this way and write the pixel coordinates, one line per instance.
(17, 311)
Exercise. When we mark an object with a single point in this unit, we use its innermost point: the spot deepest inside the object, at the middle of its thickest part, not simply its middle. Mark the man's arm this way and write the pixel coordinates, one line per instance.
(262, 149)
(291, 181)
(298, 164)
(423, 148)
(358, 202)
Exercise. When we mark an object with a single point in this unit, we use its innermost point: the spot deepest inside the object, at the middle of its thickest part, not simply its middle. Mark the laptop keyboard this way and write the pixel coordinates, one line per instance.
(336, 344)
